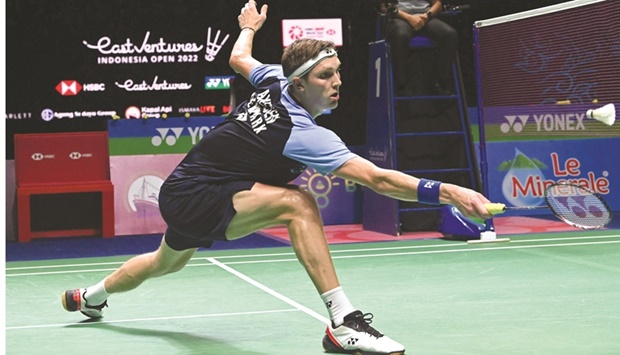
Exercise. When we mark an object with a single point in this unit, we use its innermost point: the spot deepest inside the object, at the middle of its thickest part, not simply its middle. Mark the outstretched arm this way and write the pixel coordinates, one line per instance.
(404, 187)
(250, 21)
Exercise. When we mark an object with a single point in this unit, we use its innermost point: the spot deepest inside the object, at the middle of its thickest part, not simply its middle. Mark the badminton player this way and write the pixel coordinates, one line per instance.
(235, 182)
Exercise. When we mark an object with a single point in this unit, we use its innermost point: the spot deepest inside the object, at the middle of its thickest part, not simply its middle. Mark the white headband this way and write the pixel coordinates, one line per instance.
(311, 63)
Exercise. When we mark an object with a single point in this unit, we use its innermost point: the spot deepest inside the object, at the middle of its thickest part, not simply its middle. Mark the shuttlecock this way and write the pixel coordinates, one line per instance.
(605, 114)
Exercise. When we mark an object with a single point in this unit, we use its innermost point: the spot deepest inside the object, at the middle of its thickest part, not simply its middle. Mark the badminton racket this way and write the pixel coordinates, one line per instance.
(574, 205)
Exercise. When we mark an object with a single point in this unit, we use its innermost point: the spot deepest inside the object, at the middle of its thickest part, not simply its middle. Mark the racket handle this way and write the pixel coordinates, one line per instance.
(495, 208)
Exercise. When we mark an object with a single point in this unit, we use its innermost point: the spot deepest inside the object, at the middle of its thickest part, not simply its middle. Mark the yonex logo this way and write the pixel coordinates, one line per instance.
(429, 184)
(329, 304)
(75, 155)
(164, 135)
(218, 82)
(352, 341)
(545, 122)
(579, 206)
(517, 126)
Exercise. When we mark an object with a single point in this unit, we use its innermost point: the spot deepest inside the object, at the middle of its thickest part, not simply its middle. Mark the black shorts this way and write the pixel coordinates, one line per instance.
(197, 219)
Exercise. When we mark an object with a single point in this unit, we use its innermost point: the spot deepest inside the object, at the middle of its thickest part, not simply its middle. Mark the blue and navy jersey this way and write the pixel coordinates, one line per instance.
(269, 139)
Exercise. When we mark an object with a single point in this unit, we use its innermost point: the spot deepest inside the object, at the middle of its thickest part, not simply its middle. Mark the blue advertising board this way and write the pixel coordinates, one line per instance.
(144, 151)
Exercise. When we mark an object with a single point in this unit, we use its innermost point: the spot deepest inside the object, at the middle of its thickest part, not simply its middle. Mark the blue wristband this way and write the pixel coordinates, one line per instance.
(428, 191)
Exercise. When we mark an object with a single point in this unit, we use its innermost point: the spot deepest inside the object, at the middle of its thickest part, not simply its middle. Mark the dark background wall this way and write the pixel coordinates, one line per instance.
(45, 45)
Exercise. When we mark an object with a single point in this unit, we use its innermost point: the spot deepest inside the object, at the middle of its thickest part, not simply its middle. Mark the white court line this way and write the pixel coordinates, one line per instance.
(333, 252)
(62, 272)
(459, 250)
(277, 295)
(462, 248)
(64, 265)
(289, 301)
(426, 252)
(150, 319)
(565, 238)
(464, 245)
(485, 248)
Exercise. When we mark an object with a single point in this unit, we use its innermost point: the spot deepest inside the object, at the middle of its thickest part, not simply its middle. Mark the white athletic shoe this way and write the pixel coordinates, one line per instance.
(356, 336)
(73, 300)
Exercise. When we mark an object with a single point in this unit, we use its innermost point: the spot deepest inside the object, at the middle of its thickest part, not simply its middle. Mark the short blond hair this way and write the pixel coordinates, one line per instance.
(301, 51)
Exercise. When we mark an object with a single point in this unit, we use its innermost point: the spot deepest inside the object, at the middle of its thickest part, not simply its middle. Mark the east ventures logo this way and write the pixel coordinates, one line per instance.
(149, 51)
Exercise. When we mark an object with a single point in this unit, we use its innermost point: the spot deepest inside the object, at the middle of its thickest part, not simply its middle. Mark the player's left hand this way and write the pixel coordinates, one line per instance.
(250, 17)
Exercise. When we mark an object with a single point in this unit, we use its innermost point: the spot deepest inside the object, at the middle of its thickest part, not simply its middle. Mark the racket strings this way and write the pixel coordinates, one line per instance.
(578, 206)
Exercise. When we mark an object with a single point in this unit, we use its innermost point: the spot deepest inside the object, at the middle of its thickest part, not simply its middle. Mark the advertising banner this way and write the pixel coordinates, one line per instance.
(520, 171)
(158, 136)
(544, 122)
(326, 29)
(137, 180)
(94, 61)
(534, 92)
(144, 152)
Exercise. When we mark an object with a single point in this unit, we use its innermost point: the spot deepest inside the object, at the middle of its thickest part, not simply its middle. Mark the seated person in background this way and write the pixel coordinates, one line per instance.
(408, 18)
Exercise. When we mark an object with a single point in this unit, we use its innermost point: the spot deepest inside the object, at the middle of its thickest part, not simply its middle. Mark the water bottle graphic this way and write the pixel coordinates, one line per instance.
(522, 170)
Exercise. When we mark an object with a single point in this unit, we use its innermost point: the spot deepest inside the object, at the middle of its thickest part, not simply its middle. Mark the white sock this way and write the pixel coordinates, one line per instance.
(337, 304)
(96, 294)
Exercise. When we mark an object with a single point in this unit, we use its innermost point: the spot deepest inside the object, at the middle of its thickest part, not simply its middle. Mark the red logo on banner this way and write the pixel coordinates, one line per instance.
(68, 87)
(296, 32)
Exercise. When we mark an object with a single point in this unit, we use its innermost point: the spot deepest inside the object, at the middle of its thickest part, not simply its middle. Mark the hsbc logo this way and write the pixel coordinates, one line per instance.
(41, 156)
(68, 88)
(73, 87)
(78, 155)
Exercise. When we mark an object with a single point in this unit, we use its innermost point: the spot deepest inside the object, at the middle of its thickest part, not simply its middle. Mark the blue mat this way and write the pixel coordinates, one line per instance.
(84, 247)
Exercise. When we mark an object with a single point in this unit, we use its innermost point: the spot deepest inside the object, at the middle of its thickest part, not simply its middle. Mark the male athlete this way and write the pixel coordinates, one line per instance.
(235, 182)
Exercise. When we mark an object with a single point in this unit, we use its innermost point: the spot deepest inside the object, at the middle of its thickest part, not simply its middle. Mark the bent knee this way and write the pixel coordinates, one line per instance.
(174, 268)
(161, 269)
(167, 262)
(299, 201)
